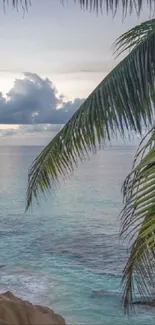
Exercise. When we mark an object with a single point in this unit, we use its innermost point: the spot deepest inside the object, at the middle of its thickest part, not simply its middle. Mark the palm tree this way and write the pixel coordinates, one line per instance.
(124, 100)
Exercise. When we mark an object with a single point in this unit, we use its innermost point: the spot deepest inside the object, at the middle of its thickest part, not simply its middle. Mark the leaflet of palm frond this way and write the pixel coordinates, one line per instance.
(138, 222)
(134, 37)
(127, 6)
(17, 3)
(112, 6)
(122, 101)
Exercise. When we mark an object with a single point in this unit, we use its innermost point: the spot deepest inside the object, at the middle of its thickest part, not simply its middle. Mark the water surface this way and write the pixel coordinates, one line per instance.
(66, 252)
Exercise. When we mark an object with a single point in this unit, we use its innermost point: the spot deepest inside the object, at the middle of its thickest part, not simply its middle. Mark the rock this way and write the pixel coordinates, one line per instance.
(15, 311)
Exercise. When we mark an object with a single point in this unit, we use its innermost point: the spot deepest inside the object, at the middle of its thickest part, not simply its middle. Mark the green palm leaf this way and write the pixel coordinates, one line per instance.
(122, 101)
(138, 222)
(134, 37)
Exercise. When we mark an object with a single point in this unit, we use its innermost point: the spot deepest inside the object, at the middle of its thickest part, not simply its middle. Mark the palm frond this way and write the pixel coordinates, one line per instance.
(16, 3)
(138, 222)
(122, 101)
(133, 37)
(112, 6)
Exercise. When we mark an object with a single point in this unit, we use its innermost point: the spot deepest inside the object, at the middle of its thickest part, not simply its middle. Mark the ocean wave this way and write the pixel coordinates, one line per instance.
(28, 283)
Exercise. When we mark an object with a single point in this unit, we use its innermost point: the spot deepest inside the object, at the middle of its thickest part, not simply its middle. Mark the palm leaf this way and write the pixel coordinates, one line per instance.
(128, 6)
(16, 3)
(134, 37)
(122, 101)
(138, 222)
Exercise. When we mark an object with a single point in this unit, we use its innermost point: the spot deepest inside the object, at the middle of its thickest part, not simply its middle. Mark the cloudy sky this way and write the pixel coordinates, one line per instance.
(51, 58)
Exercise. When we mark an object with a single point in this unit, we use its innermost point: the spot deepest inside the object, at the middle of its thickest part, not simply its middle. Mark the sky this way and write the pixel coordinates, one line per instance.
(51, 59)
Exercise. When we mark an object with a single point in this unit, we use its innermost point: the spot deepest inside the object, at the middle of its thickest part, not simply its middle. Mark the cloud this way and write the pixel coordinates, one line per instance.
(30, 130)
(35, 100)
(8, 132)
(43, 128)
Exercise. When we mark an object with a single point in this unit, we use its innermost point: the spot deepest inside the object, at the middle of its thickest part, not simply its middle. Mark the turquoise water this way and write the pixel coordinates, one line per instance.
(66, 253)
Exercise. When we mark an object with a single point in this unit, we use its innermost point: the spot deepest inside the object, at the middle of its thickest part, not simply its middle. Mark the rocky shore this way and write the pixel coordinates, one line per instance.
(15, 311)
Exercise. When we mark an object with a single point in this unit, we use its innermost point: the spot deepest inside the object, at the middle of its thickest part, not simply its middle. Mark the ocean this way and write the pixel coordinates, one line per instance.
(65, 253)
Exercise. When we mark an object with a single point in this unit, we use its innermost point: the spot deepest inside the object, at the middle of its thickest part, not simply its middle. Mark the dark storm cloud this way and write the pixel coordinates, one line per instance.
(35, 100)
